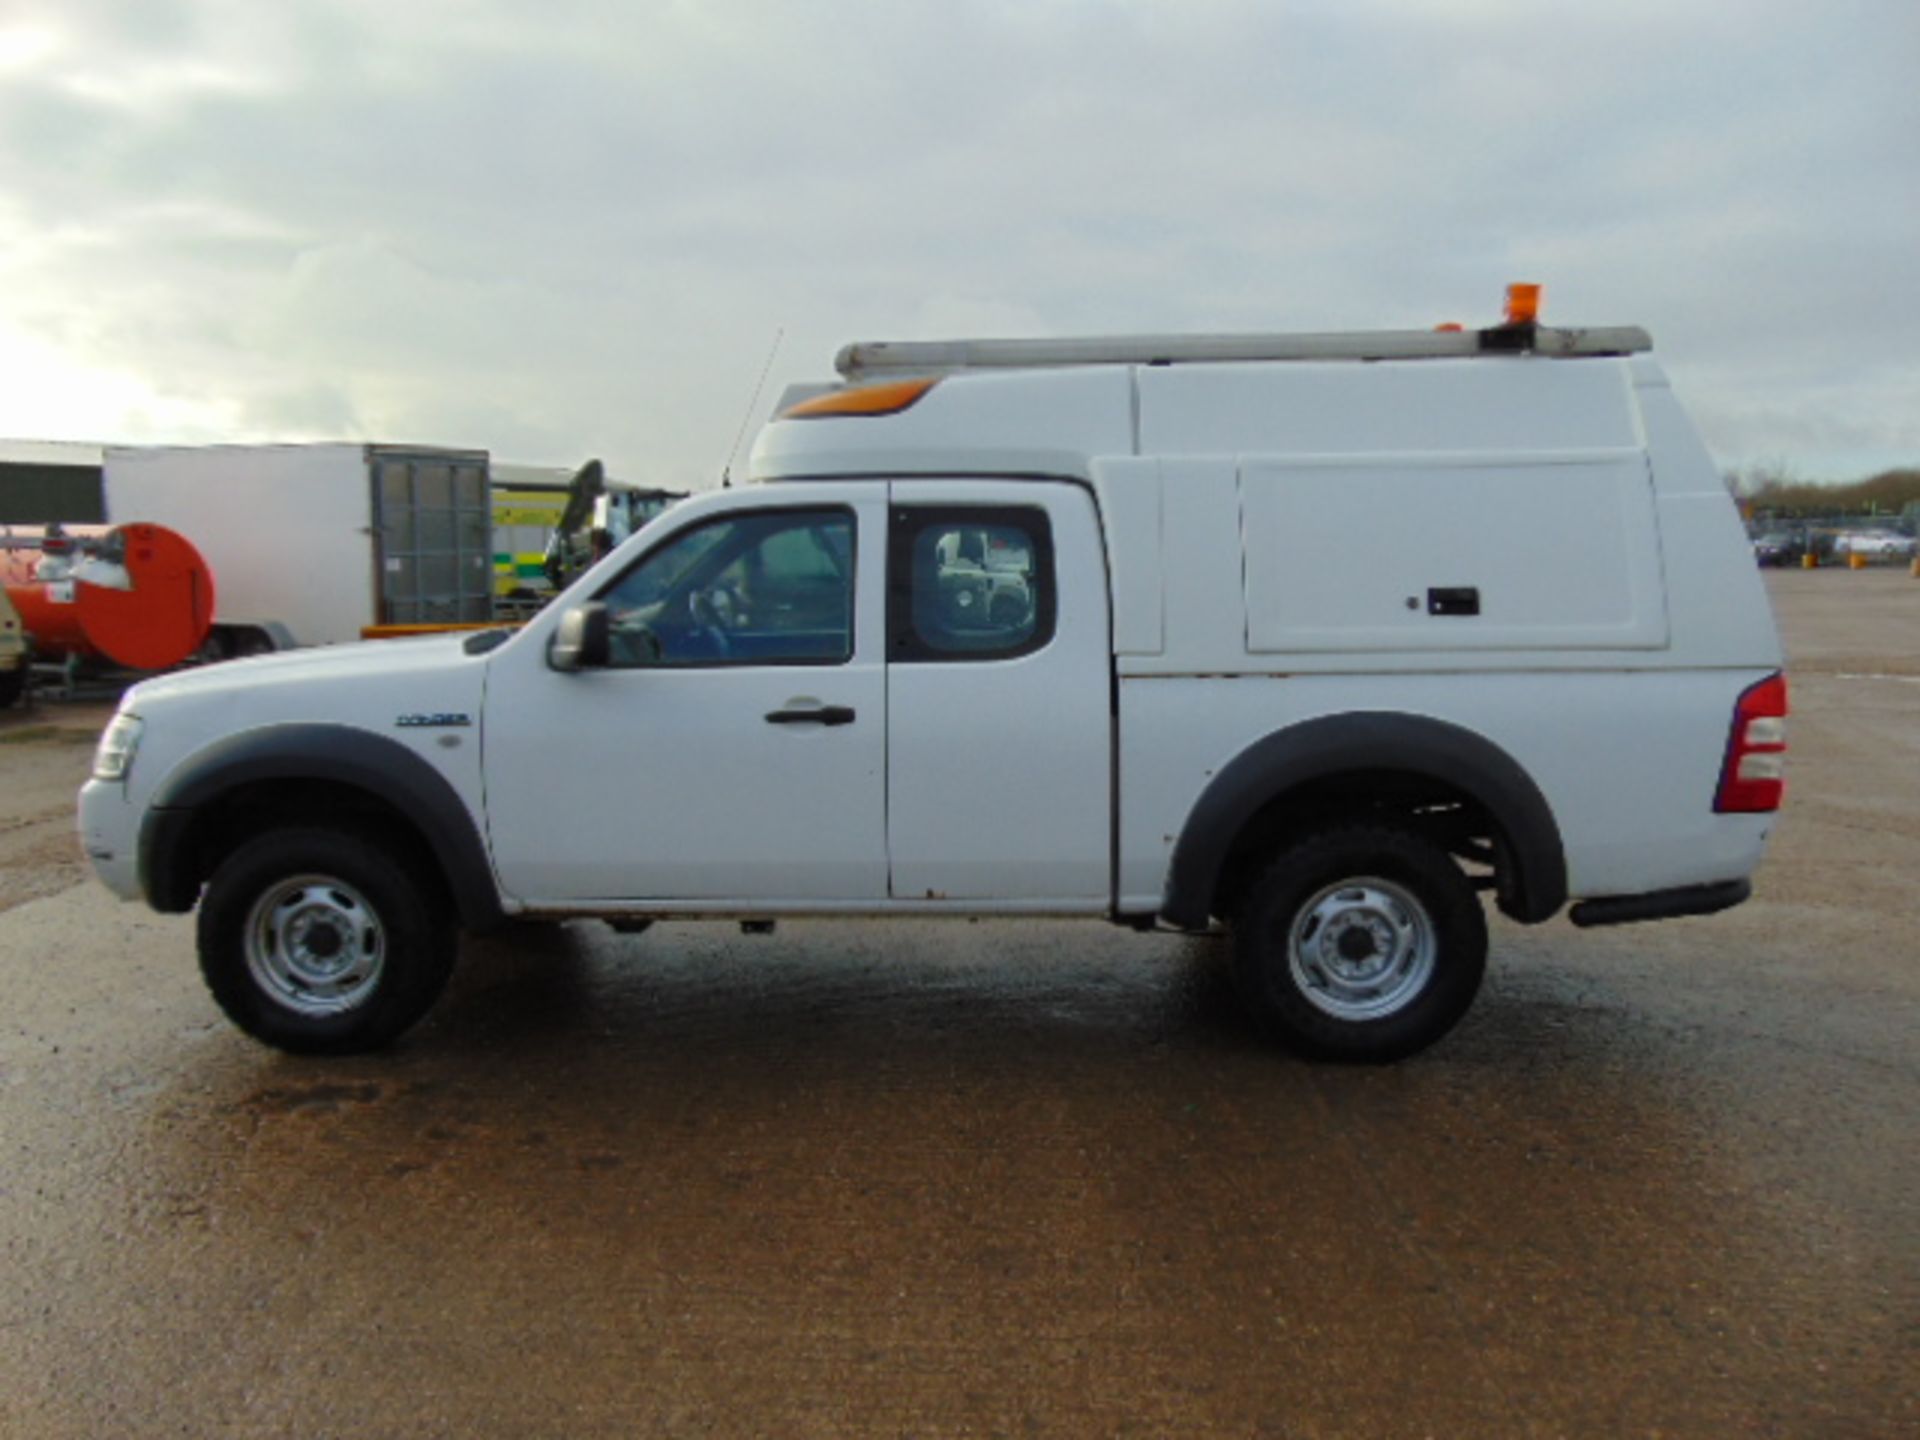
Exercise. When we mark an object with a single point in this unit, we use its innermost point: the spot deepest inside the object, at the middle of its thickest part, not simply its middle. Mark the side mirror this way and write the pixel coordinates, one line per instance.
(581, 641)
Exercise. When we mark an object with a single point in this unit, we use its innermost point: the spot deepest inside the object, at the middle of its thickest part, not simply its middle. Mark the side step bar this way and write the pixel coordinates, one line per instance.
(1661, 904)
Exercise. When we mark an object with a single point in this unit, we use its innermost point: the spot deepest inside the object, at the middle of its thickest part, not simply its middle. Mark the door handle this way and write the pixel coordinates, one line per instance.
(820, 715)
(1453, 600)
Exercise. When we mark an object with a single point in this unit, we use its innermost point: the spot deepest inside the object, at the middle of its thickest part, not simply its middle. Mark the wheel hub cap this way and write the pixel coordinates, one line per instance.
(1362, 949)
(316, 936)
(315, 945)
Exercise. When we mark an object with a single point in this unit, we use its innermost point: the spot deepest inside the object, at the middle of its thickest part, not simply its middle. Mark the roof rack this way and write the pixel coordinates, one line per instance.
(938, 357)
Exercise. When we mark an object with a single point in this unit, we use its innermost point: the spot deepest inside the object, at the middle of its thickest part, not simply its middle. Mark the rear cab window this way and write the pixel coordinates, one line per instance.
(969, 583)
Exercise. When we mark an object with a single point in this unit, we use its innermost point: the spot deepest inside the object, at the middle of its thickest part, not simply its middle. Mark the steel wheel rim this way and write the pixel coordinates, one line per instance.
(315, 945)
(1332, 929)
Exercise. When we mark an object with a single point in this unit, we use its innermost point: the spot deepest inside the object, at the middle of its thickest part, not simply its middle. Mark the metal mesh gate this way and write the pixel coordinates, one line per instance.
(433, 511)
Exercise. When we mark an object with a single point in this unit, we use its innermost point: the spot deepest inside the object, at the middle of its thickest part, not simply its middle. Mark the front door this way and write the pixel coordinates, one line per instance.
(735, 748)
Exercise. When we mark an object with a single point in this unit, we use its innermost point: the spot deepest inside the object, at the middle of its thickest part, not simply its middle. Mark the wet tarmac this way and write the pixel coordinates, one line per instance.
(1000, 1178)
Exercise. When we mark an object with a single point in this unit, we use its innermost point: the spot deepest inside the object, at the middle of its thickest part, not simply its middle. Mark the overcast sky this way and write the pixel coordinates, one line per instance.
(567, 229)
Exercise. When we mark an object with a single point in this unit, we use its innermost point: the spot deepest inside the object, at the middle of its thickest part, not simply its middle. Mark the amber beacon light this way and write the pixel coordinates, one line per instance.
(888, 399)
(1523, 304)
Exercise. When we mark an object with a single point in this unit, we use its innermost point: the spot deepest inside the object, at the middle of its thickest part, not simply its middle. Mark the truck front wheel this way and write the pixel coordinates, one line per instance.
(323, 941)
(1360, 943)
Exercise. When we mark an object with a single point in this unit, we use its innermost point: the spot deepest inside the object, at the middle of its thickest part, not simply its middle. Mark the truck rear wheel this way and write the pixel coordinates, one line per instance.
(323, 941)
(13, 684)
(1361, 943)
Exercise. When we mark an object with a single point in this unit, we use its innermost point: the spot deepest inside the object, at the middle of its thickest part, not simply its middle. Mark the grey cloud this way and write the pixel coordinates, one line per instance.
(577, 227)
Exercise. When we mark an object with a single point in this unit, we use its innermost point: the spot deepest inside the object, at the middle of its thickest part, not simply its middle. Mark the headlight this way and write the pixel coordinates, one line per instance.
(117, 744)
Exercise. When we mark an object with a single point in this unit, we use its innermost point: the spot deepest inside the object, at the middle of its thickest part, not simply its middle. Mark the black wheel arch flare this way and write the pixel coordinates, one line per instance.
(332, 753)
(1369, 741)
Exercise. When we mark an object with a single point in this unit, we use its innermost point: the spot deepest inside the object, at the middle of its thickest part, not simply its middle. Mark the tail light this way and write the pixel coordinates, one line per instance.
(1754, 776)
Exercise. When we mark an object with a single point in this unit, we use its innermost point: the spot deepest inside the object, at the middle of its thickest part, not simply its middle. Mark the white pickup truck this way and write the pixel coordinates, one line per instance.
(1314, 637)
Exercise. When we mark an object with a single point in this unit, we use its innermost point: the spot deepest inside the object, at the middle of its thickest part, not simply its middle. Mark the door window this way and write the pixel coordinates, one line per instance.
(970, 583)
(766, 588)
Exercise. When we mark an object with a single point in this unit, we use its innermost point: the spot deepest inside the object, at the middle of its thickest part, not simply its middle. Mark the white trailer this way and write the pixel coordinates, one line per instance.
(311, 544)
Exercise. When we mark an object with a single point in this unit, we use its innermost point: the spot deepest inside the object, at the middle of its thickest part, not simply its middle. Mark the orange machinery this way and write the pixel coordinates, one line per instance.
(136, 595)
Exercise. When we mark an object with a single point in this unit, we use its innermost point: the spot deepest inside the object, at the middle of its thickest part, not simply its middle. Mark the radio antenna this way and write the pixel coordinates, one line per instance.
(753, 400)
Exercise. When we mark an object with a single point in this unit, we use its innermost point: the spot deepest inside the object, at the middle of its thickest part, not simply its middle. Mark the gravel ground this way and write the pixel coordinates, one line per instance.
(994, 1179)
(44, 754)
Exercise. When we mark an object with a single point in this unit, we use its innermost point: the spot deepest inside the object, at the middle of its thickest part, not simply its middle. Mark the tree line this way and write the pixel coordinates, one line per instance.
(1772, 489)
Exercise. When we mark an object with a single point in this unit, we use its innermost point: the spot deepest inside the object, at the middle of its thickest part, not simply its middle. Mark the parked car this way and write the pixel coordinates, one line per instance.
(1875, 544)
(1779, 547)
(13, 654)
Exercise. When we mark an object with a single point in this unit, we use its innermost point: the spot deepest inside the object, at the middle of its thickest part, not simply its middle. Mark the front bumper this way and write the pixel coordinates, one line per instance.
(108, 835)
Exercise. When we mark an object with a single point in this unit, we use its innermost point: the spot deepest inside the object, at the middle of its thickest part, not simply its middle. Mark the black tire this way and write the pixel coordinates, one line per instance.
(1401, 900)
(13, 684)
(263, 935)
